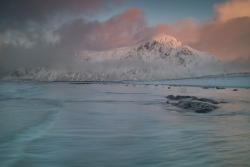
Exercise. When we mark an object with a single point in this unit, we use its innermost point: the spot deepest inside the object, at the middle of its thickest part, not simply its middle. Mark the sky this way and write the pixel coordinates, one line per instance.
(168, 11)
(45, 32)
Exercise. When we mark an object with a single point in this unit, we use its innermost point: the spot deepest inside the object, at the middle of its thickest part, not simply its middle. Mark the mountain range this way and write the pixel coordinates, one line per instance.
(157, 58)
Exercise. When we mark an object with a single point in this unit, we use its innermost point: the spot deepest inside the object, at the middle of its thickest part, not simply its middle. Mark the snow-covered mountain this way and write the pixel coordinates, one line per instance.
(157, 58)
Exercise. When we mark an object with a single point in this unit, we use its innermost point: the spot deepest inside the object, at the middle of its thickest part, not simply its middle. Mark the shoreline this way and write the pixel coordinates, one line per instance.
(235, 80)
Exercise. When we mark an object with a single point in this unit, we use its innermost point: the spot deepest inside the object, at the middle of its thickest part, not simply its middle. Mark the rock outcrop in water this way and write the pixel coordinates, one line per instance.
(198, 105)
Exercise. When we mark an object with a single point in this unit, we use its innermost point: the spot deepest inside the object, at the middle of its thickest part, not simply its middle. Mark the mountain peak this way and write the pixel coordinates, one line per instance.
(158, 57)
(160, 36)
(163, 38)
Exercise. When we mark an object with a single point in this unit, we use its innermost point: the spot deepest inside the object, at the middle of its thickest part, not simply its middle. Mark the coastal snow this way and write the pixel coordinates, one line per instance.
(157, 58)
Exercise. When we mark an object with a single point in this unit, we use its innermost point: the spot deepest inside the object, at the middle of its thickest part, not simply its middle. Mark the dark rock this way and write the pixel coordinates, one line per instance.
(146, 45)
(183, 104)
(208, 100)
(170, 97)
(219, 87)
(203, 110)
(168, 87)
(194, 98)
(206, 106)
(235, 89)
(198, 107)
(178, 97)
(205, 87)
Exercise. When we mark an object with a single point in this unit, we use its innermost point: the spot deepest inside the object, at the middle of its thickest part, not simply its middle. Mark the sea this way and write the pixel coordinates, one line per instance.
(60, 124)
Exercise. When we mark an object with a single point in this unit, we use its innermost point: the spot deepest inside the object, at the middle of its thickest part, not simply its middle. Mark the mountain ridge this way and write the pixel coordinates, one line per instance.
(156, 58)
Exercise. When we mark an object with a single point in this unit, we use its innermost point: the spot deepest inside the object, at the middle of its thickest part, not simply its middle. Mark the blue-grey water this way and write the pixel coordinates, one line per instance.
(69, 125)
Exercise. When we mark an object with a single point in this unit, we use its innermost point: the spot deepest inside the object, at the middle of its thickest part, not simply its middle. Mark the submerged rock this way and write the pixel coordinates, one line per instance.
(170, 97)
(219, 87)
(198, 105)
(178, 97)
(208, 100)
(203, 110)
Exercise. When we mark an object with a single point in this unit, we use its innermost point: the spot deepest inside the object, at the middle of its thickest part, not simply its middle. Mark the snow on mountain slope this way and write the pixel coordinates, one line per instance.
(159, 47)
(157, 58)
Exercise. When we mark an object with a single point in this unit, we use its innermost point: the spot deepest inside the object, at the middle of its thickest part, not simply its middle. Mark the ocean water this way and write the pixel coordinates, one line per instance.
(75, 125)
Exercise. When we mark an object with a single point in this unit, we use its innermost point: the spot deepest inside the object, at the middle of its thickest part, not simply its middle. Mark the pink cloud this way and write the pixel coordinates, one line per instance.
(228, 40)
(227, 36)
(232, 9)
(118, 31)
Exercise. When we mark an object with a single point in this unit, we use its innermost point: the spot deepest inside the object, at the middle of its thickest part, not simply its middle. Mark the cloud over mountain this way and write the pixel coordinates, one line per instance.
(227, 35)
(47, 32)
(118, 31)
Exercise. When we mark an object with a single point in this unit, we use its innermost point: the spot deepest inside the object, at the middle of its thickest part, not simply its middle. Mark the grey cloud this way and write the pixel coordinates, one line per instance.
(77, 34)
(120, 30)
(37, 10)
